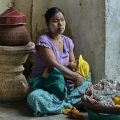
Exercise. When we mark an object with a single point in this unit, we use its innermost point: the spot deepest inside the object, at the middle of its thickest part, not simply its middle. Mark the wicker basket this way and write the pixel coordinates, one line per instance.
(101, 116)
(98, 112)
(11, 71)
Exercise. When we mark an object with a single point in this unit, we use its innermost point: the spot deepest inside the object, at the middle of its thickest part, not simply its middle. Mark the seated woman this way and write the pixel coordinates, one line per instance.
(54, 51)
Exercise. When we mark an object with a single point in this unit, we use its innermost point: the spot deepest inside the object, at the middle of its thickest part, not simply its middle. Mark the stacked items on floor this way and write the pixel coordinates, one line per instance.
(15, 47)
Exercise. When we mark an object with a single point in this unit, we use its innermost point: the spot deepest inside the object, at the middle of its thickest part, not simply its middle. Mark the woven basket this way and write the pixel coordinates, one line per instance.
(11, 71)
(10, 88)
(16, 54)
(99, 112)
(92, 115)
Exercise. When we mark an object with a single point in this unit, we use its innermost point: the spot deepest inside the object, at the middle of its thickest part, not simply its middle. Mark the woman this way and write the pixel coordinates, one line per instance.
(54, 50)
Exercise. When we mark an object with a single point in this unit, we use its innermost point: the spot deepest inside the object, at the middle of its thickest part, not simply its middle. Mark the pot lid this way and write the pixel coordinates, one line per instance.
(12, 17)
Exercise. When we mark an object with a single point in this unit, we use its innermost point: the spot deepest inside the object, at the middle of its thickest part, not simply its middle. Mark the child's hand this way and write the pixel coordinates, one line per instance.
(45, 73)
(72, 65)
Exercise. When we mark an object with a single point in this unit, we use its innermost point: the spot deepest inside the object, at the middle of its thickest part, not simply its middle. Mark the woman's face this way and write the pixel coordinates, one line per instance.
(57, 24)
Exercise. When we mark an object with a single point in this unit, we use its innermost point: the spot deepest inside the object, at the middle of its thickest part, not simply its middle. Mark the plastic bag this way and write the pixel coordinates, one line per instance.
(83, 69)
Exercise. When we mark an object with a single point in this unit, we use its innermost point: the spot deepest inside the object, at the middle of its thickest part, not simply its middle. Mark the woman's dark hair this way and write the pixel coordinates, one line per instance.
(50, 12)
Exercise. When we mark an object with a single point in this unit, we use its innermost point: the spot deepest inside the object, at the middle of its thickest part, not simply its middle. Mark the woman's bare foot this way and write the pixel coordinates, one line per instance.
(25, 86)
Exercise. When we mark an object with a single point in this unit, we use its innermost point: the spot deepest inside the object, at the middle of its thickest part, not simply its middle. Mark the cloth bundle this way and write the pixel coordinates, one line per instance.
(54, 84)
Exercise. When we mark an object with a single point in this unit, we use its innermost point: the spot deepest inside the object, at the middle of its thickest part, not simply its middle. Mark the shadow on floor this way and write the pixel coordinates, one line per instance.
(20, 106)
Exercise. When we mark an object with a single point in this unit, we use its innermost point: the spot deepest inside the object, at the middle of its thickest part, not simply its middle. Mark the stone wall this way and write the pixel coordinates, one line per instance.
(4, 5)
(112, 52)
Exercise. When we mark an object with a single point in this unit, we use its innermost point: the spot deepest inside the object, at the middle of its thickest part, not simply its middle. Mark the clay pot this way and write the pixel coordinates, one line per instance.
(14, 35)
(12, 29)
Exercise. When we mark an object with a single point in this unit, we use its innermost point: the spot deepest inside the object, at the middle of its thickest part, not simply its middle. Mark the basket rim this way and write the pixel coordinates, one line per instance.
(101, 108)
(28, 47)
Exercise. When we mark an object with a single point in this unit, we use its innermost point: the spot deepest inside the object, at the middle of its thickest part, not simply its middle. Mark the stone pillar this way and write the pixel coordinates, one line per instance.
(112, 42)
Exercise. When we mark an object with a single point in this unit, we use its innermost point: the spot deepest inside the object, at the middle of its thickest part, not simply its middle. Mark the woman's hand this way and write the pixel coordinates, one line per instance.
(78, 79)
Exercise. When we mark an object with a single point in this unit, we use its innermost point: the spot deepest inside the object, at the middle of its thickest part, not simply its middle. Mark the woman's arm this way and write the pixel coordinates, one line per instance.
(49, 58)
(71, 56)
(72, 62)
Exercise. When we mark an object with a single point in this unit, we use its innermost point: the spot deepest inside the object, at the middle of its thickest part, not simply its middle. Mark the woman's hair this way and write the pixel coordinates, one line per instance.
(50, 12)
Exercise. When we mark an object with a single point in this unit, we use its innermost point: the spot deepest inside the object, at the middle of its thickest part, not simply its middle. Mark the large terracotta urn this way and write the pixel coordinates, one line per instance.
(12, 29)
(15, 47)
